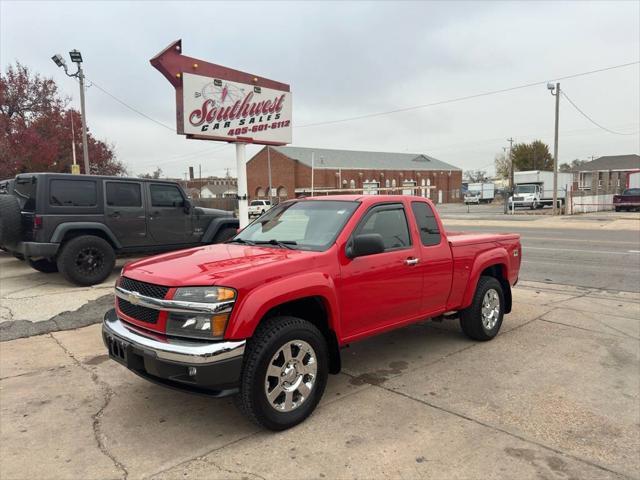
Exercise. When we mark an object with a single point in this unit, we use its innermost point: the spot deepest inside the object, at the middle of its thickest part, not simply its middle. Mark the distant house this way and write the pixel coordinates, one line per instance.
(345, 171)
(211, 190)
(608, 173)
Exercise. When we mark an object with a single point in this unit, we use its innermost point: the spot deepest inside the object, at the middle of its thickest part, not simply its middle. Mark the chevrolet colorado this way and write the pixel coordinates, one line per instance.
(264, 315)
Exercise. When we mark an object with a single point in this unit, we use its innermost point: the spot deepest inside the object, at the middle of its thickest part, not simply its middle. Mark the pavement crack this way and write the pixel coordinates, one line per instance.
(226, 470)
(622, 334)
(506, 432)
(108, 394)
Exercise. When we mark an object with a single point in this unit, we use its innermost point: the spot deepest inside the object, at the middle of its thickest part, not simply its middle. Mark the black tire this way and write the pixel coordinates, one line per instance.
(10, 220)
(44, 265)
(86, 260)
(225, 234)
(471, 320)
(267, 340)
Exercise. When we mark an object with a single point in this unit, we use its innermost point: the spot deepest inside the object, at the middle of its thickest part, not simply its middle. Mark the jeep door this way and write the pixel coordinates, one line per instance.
(124, 212)
(168, 218)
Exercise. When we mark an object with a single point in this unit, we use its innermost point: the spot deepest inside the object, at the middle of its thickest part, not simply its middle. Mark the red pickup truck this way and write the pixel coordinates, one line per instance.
(264, 315)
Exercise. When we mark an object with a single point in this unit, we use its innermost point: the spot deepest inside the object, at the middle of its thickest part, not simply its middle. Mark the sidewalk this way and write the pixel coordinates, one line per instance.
(554, 396)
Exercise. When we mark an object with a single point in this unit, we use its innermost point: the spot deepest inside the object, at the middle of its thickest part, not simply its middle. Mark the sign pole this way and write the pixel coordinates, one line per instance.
(241, 168)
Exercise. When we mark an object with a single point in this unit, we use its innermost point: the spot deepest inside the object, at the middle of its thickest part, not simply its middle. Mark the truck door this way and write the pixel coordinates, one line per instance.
(436, 262)
(169, 221)
(124, 212)
(385, 288)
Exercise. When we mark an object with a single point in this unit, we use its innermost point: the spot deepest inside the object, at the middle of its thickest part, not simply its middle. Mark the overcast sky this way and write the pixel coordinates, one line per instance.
(348, 59)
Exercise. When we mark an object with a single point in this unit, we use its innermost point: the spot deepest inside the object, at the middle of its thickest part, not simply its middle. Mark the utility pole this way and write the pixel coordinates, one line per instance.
(269, 171)
(200, 178)
(510, 140)
(76, 57)
(555, 87)
(313, 157)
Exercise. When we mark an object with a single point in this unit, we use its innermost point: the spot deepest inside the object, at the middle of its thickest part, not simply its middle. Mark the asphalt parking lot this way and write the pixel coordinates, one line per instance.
(555, 395)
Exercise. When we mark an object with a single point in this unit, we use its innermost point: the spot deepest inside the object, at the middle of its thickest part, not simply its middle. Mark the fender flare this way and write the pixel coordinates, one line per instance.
(216, 224)
(64, 228)
(251, 309)
(494, 257)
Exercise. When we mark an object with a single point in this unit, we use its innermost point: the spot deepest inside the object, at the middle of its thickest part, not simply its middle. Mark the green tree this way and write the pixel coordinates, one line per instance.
(574, 165)
(532, 156)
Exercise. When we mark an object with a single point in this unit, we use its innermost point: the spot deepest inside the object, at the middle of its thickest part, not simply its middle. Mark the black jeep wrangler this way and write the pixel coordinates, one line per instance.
(78, 224)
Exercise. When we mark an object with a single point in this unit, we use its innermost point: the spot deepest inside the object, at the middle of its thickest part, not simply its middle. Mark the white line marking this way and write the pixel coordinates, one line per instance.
(526, 247)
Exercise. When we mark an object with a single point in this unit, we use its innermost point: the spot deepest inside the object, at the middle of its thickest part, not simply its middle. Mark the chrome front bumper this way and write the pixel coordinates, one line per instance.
(187, 352)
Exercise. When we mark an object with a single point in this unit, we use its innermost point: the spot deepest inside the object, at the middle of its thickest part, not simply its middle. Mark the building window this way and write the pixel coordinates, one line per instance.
(260, 192)
(352, 184)
(282, 192)
(394, 184)
(387, 183)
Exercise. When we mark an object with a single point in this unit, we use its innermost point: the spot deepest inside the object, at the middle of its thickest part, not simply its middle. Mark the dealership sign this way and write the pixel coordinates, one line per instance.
(218, 103)
(232, 111)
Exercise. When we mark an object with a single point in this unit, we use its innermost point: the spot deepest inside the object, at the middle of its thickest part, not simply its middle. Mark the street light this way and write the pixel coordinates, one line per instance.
(555, 90)
(76, 57)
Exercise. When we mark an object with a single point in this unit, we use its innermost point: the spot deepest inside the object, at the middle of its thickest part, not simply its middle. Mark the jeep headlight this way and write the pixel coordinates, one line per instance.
(210, 323)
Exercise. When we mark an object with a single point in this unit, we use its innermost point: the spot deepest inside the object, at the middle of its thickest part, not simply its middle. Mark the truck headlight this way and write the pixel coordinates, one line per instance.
(203, 325)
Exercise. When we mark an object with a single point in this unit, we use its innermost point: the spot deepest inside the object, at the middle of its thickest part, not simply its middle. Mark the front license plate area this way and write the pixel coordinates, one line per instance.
(117, 349)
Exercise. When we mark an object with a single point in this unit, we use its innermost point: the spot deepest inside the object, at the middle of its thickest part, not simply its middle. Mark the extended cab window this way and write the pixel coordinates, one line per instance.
(427, 223)
(390, 222)
(124, 194)
(73, 193)
(166, 196)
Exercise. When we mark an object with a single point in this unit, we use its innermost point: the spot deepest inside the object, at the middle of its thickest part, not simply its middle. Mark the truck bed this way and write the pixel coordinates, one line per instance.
(458, 239)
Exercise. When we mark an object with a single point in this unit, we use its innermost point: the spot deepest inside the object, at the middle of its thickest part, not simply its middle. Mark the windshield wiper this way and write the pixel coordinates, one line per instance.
(280, 243)
(240, 240)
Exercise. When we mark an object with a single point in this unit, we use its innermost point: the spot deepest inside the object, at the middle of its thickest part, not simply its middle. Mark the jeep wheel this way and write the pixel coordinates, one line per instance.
(483, 318)
(10, 220)
(86, 260)
(284, 373)
(224, 234)
(44, 265)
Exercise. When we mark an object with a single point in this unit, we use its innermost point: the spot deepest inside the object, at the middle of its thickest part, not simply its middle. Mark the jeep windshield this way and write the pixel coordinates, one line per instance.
(301, 225)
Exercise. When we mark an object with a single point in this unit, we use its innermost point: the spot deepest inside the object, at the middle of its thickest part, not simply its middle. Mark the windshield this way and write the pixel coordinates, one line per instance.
(257, 203)
(525, 189)
(632, 191)
(302, 225)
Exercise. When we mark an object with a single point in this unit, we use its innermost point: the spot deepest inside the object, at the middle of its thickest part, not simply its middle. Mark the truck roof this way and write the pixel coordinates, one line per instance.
(367, 199)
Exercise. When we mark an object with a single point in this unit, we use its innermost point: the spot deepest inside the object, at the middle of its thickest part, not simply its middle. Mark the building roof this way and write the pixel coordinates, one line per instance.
(611, 162)
(352, 159)
(220, 189)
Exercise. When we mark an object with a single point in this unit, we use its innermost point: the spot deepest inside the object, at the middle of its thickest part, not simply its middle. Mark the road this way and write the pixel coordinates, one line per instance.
(607, 259)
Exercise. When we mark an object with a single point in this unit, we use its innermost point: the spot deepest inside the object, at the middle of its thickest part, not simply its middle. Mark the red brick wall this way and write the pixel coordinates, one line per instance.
(292, 174)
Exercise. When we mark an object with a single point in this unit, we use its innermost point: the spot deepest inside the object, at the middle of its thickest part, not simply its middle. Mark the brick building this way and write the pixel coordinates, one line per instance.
(339, 171)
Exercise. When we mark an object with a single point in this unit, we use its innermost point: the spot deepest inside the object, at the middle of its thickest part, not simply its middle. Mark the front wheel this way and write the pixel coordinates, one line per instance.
(284, 373)
(483, 318)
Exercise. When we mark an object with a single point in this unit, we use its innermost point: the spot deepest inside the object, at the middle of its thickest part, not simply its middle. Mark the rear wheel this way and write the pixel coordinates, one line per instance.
(86, 260)
(44, 265)
(483, 318)
(284, 373)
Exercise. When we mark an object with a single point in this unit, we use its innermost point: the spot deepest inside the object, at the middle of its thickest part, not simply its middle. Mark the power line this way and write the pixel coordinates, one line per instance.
(133, 109)
(466, 97)
(591, 119)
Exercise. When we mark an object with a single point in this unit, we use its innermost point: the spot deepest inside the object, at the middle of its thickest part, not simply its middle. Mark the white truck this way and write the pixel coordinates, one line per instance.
(479, 193)
(258, 207)
(534, 188)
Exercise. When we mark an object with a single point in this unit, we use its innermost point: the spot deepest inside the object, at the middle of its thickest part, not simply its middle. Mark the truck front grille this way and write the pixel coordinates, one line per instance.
(143, 288)
(143, 314)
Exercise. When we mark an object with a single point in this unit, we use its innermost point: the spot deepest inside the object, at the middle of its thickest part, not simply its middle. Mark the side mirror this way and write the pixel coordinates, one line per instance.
(365, 244)
(187, 206)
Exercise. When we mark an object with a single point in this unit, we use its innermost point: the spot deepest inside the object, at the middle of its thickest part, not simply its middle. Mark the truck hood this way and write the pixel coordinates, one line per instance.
(212, 264)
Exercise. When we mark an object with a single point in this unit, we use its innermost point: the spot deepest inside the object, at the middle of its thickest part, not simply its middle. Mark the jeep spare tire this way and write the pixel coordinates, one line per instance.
(10, 220)
(86, 260)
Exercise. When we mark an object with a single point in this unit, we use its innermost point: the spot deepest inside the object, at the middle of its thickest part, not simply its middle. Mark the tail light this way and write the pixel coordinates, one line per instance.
(37, 222)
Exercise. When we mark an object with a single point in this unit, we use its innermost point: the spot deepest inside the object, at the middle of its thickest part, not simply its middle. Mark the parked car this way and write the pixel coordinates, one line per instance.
(258, 207)
(629, 200)
(264, 316)
(79, 224)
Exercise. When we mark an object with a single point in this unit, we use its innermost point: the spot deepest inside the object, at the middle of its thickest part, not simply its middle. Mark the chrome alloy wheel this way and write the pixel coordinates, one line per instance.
(291, 375)
(490, 309)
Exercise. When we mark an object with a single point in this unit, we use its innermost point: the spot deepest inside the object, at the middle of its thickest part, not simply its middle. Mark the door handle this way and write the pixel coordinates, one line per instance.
(114, 214)
(411, 261)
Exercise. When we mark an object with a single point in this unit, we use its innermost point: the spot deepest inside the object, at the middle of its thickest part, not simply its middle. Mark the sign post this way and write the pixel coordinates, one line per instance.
(221, 104)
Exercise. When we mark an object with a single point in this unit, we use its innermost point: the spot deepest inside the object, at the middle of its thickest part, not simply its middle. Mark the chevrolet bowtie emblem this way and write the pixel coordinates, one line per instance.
(133, 298)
